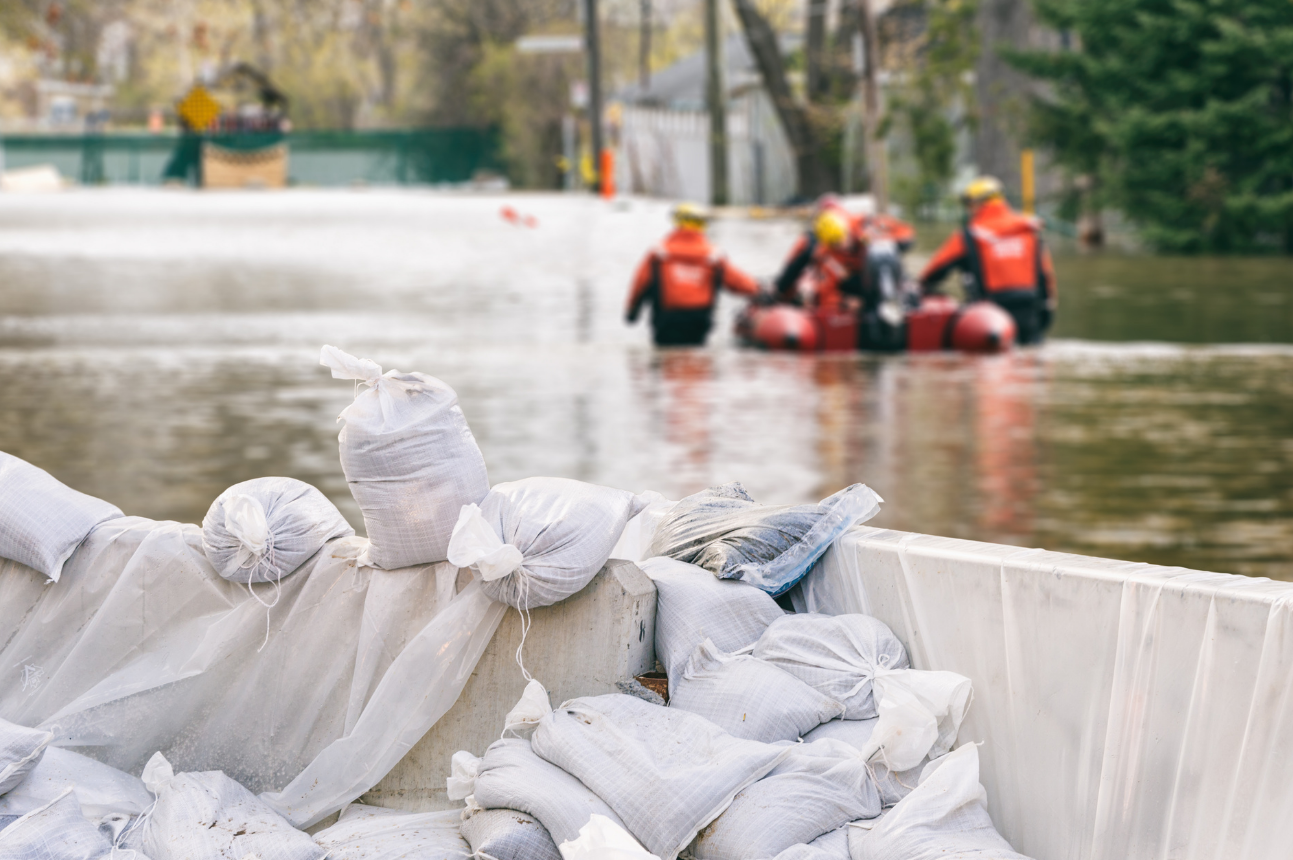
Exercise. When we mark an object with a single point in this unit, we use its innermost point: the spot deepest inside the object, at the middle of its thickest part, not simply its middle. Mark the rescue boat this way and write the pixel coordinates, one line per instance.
(937, 323)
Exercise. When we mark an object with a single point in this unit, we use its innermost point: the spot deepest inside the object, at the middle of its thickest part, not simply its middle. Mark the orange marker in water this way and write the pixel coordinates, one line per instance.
(608, 174)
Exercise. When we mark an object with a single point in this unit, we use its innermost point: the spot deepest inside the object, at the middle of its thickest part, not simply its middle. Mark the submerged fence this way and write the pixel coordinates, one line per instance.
(427, 156)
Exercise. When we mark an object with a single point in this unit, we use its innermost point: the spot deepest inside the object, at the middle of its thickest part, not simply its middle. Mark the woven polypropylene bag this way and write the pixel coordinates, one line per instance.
(42, 520)
(944, 818)
(818, 788)
(836, 654)
(100, 789)
(21, 750)
(410, 460)
(506, 834)
(828, 846)
(208, 816)
(512, 776)
(373, 833)
(769, 546)
(537, 541)
(264, 529)
(692, 605)
(749, 698)
(55, 831)
(666, 772)
(893, 786)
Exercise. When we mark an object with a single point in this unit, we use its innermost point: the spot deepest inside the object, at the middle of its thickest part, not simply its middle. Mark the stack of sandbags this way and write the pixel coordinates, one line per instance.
(43, 521)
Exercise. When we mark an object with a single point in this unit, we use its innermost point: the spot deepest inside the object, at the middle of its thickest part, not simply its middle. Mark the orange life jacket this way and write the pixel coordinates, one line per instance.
(687, 273)
(1007, 246)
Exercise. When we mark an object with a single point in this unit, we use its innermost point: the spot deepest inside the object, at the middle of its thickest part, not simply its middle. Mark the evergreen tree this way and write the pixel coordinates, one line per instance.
(1181, 111)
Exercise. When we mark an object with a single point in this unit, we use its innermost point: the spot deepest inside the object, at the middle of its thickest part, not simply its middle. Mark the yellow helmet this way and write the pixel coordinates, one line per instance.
(981, 190)
(691, 215)
(830, 228)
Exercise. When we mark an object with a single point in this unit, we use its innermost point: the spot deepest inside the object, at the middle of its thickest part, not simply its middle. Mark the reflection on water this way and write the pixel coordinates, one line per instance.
(157, 348)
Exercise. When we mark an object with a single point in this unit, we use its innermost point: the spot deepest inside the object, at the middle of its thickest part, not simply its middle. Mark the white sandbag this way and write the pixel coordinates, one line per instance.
(511, 776)
(264, 529)
(55, 831)
(208, 816)
(771, 547)
(603, 839)
(945, 818)
(42, 520)
(692, 606)
(892, 786)
(410, 460)
(21, 750)
(101, 790)
(635, 541)
(666, 772)
(539, 540)
(836, 654)
(373, 833)
(828, 846)
(506, 834)
(749, 698)
(920, 716)
(818, 788)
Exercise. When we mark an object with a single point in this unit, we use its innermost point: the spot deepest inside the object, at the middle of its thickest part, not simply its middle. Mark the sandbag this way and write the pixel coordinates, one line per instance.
(603, 839)
(539, 540)
(828, 846)
(635, 541)
(208, 816)
(818, 788)
(511, 776)
(666, 772)
(264, 529)
(42, 520)
(944, 818)
(692, 605)
(55, 831)
(21, 750)
(892, 786)
(410, 460)
(770, 547)
(101, 790)
(373, 833)
(749, 698)
(835, 654)
(505, 834)
(920, 716)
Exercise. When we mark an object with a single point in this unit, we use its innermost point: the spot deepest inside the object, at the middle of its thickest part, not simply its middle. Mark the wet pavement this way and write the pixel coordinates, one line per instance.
(158, 346)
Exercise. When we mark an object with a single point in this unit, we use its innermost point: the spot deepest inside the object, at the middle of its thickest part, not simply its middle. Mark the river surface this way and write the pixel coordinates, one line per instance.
(157, 346)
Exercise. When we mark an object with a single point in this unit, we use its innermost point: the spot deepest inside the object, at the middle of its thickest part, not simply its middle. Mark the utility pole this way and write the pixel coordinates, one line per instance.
(877, 163)
(716, 100)
(644, 46)
(592, 43)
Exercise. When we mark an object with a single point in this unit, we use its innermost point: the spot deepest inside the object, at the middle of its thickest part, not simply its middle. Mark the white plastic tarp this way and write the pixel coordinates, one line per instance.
(1128, 710)
(142, 647)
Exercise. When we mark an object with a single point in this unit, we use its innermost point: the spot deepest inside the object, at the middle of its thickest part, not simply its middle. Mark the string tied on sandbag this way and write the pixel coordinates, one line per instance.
(475, 544)
(346, 366)
(246, 521)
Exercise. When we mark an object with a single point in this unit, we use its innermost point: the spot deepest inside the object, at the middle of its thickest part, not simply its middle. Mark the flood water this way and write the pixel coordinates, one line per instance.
(158, 346)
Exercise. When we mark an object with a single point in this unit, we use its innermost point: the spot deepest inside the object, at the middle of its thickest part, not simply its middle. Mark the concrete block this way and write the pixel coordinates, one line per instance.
(582, 646)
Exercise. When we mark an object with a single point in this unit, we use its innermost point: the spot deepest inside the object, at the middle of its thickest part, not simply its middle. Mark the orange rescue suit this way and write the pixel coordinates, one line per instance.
(832, 271)
(685, 274)
(1006, 253)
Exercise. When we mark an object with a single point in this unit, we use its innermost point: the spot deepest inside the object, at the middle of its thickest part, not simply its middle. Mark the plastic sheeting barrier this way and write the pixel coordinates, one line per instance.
(141, 647)
(1128, 710)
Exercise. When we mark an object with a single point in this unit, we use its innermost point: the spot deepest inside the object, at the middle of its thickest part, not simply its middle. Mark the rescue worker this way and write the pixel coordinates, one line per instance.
(681, 280)
(1002, 253)
(833, 254)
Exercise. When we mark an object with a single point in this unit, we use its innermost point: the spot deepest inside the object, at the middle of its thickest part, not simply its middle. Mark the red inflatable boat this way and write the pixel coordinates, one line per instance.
(938, 323)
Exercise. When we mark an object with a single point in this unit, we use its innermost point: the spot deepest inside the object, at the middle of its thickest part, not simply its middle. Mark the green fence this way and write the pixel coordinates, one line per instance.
(426, 156)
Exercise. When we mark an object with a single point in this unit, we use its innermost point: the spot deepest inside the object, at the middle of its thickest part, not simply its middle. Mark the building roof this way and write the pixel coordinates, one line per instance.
(681, 86)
